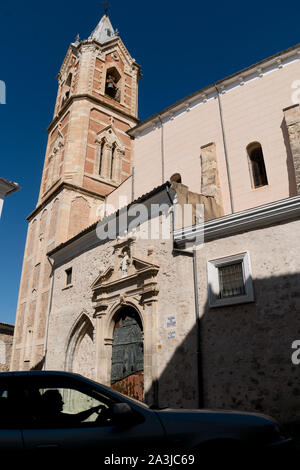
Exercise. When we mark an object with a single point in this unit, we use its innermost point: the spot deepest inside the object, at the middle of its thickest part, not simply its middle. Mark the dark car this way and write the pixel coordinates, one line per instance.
(47, 412)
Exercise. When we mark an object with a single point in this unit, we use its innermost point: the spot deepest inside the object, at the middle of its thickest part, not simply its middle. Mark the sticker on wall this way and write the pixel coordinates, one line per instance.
(171, 335)
(171, 322)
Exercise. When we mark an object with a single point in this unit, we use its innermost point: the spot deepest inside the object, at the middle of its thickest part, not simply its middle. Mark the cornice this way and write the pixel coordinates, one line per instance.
(258, 70)
(59, 188)
(94, 100)
(8, 187)
(252, 219)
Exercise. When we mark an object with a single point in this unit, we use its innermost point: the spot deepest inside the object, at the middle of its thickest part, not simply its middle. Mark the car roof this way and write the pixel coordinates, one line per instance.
(70, 375)
(41, 373)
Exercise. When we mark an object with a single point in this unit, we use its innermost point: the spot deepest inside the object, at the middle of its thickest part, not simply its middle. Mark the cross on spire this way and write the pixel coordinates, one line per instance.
(106, 7)
(104, 30)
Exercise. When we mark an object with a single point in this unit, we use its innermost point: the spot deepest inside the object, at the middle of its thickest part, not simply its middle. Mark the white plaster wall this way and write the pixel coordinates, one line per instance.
(252, 112)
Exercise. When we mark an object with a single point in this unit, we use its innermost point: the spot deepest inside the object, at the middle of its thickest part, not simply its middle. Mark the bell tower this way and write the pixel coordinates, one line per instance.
(88, 155)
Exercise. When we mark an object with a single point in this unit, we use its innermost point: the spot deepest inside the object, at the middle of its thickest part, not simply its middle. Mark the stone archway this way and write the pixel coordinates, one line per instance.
(80, 356)
(127, 363)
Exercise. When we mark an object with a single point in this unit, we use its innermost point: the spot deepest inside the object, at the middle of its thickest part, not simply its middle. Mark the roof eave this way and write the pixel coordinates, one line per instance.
(210, 88)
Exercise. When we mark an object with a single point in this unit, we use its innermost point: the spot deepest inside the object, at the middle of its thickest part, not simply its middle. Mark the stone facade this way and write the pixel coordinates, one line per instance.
(246, 348)
(77, 289)
(6, 341)
(73, 189)
(153, 288)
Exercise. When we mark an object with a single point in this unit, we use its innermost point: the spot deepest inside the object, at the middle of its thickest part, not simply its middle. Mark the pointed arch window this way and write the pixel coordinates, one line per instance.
(66, 91)
(54, 162)
(112, 161)
(101, 155)
(257, 165)
(109, 154)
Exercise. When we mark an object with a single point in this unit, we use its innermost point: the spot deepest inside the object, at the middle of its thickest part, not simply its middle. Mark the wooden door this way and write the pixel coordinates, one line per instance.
(127, 372)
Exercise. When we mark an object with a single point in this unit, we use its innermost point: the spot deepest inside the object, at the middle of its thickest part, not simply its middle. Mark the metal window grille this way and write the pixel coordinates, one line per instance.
(231, 280)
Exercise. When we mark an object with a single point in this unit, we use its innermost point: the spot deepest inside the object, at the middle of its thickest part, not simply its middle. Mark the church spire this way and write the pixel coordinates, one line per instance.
(104, 31)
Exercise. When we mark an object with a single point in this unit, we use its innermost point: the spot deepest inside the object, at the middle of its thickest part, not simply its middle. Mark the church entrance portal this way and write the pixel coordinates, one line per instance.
(127, 371)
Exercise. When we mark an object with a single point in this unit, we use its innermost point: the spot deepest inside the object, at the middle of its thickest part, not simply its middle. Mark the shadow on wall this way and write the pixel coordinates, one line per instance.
(39, 365)
(245, 355)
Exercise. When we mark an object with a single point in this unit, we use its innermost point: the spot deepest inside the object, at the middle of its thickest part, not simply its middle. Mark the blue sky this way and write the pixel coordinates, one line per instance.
(181, 46)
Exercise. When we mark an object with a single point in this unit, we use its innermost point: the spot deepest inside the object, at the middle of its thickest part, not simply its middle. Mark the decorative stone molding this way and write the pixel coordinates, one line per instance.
(81, 327)
(260, 72)
(262, 216)
(112, 286)
(54, 160)
(109, 154)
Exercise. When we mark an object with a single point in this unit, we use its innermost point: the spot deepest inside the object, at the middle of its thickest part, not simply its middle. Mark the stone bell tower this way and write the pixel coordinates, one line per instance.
(88, 155)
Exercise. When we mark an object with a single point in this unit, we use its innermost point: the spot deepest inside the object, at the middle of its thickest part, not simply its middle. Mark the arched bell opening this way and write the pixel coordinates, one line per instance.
(127, 363)
(112, 84)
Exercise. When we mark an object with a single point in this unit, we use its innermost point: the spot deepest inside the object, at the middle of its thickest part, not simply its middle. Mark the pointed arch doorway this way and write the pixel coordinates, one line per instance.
(127, 365)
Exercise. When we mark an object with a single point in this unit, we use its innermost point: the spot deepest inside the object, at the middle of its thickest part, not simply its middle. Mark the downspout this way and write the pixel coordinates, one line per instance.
(49, 311)
(225, 149)
(198, 327)
(132, 184)
(162, 151)
(196, 302)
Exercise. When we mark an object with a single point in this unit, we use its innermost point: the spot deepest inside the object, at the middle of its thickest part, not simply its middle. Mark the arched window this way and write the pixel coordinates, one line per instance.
(176, 178)
(112, 162)
(67, 89)
(257, 165)
(109, 154)
(101, 156)
(112, 84)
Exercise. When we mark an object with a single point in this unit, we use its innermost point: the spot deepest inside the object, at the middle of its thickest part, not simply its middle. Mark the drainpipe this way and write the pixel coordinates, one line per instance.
(162, 151)
(198, 327)
(196, 302)
(132, 184)
(225, 148)
(49, 311)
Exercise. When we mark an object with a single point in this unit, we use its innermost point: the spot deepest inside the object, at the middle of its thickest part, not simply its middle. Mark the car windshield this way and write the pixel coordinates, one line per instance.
(120, 395)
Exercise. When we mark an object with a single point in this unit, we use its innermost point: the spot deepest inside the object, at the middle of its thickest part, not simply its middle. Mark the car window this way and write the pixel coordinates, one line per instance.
(67, 406)
(11, 407)
(3, 408)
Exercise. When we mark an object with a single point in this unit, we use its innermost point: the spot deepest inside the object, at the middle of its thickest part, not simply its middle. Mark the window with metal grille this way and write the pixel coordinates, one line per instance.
(231, 280)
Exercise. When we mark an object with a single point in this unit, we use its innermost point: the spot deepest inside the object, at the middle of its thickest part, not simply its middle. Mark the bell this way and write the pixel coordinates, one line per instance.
(110, 86)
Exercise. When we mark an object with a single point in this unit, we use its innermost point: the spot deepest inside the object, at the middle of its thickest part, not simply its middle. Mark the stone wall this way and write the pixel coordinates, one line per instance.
(6, 340)
(246, 349)
(172, 319)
